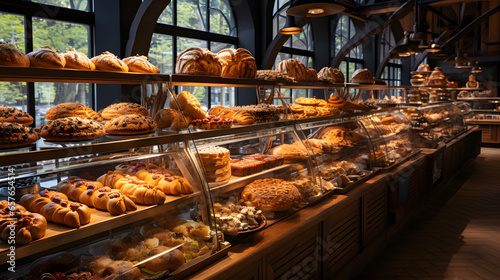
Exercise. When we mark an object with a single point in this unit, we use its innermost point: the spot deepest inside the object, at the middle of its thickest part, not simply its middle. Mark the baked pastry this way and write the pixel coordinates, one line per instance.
(16, 135)
(243, 118)
(165, 117)
(270, 161)
(215, 111)
(57, 209)
(14, 115)
(472, 83)
(46, 57)
(273, 75)
(290, 152)
(293, 68)
(245, 167)
(123, 108)
(189, 104)
(271, 195)
(237, 63)
(164, 261)
(198, 61)
(130, 125)
(216, 163)
(77, 60)
(437, 77)
(11, 56)
(138, 190)
(65, 110)
(26, 226)
(109, 62)
(180, 121)
(424, 68)
(169, 183)
(331, 75)
(212, 122)
(362, 76)
(71, 129)
(140, 64)
(311, 74)
(307, 101)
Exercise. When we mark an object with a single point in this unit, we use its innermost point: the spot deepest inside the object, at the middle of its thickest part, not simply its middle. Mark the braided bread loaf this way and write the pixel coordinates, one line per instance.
(293, 68)
(166, 182)
(27, 226)
(198, 61)
(94, 194)
(237, 63)
(55, 208)
(138, 190)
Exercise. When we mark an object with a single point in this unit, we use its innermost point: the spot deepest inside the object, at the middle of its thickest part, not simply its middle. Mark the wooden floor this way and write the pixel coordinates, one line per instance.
(456, 236)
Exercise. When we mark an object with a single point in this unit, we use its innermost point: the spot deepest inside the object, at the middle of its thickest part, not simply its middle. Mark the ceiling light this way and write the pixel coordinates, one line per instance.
(405, 47)
(314, 8)
(476, 69)
(434, 48)
(290, 27)
(394, 56)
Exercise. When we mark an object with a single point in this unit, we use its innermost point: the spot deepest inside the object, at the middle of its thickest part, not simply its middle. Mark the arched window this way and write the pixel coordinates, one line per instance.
(392, 71)
(298, 46)
(30, 31)
(184, 24)
(343, 33)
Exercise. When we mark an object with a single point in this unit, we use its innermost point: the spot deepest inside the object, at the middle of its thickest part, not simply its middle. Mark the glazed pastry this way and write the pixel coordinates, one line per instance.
(140, 64)
(271, 195)
(109, 62)
(130, 125)
(123, 108)
(198, 61)
(243, 118)
(215, 111)
(237, 63)
(77, 60)
(65, 110)
(27, 226)
(212, 123)
(71, 129)
(46, 57)
(168, 183)
(11, 56)
(16, 135)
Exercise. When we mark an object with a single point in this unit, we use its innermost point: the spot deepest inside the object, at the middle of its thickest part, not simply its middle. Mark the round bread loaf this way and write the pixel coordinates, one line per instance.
(237, 63)
(109, 62)
(198, 61)
(16, 135)
(293, 68)
(271, 194)
(77, 60)
(71, 129)
(65, 110)
(46, 57)
(11, 56)
(140, 64)
(362, 76)
(123, 108)
(12, 114)
(311, 74)
(130, 125)
(332, 75)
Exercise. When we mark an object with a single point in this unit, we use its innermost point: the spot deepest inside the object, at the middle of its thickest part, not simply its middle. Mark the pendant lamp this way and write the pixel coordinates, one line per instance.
(405, 47)
(290, 27)
(434, 48)
(314, 8)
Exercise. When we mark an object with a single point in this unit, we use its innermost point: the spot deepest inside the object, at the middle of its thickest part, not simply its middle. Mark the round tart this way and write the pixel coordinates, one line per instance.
(271, 194)
(11, 114)
(130, 125)
(123, 108)
(65, 110)
(71, 129)
(16, 135)
(212, 122)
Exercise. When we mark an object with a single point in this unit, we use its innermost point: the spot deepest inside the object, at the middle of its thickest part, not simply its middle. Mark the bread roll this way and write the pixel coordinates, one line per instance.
(123, 108)
(12, 114)
(198, 61)
(11, 56)
(77, 60)
(65, 110)
(237, 63)
(46, 57)
(362, 76)
(140, 64)
(109, 62)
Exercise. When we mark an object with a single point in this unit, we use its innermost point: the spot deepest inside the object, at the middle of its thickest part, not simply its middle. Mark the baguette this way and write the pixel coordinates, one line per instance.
(138, 190)
(94, 194)
(56, 209)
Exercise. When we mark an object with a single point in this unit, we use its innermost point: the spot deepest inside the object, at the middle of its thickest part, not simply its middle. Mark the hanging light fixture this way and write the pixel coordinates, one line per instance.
(464, 65)
(291, 27)
(314, 8)
(420, 27)
(393, 56)
(457, 58)
(476, 69)
(406, 48)
(434, 47)
(423, 44)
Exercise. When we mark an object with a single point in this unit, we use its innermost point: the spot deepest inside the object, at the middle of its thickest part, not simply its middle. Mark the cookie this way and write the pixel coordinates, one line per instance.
(16, 135)
(11, 114)
(71, 129)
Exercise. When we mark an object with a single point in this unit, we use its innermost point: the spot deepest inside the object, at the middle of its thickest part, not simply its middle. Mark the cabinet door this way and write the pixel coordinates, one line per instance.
(342, 235)
(250, 272)
(374, 212)
(297, 259)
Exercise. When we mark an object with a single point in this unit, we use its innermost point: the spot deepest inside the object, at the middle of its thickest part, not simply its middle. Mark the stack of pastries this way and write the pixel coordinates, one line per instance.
(14, 129)
(216, 163)
(311, 107)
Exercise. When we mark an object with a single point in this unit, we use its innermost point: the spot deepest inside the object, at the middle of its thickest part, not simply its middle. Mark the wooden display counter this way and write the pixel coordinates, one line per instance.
(336, 238)
(490, 130)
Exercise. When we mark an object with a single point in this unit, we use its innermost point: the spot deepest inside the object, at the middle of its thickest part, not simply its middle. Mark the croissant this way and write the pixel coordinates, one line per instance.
(138, 190)
(168, 183)
(27, 226)
(94, 194)
(55, 209)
